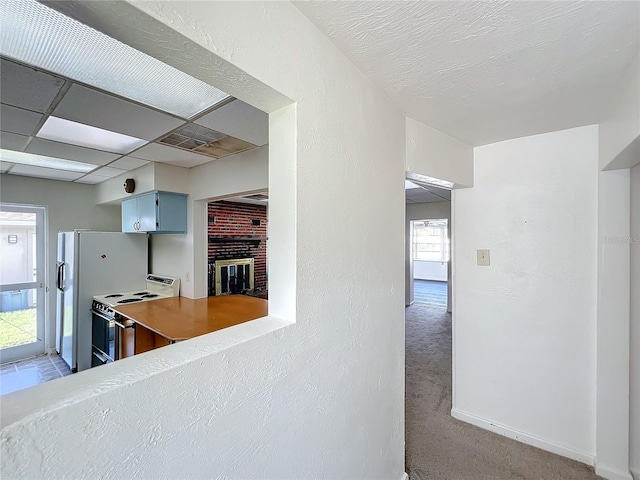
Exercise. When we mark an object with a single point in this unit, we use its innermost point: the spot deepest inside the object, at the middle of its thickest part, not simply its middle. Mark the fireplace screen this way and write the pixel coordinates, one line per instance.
(234, 276)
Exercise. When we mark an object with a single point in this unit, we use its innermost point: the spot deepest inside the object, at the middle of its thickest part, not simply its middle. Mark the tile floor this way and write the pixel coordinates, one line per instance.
(31, 371)
(428, 292)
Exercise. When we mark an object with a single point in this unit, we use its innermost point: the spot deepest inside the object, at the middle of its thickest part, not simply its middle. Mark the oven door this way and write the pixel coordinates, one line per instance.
(103, 338)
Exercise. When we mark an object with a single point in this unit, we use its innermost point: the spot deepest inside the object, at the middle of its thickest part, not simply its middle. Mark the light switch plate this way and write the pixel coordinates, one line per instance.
(483, 258)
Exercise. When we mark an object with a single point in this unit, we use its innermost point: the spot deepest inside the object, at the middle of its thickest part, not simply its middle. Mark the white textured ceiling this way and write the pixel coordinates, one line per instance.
(488, 71)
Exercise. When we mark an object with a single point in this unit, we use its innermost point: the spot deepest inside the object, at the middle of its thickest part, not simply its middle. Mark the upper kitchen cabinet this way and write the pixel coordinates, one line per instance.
(155, 212)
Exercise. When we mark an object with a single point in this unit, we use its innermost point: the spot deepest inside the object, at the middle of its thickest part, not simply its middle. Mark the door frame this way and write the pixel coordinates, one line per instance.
(18, 352)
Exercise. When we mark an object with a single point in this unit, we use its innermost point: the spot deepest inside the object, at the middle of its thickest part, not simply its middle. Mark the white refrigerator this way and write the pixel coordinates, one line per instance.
(88, 264)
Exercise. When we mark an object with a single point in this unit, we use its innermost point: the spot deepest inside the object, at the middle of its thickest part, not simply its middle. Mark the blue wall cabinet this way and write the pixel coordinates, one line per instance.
(155, 212)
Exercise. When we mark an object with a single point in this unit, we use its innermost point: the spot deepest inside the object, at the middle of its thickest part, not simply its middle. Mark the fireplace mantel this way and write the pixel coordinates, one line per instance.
(253, 240)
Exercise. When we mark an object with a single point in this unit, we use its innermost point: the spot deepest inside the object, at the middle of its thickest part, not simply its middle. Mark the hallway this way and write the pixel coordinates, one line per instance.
(442, 448)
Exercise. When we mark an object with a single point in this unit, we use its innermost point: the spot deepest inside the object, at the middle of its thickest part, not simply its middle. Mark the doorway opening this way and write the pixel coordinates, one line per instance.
(237, 246)
(430, 258)
(22, 280)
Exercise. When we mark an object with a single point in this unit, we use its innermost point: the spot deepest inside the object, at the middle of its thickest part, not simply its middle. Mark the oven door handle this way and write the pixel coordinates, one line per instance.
(102, 315)
(108, 319)
(101, 356)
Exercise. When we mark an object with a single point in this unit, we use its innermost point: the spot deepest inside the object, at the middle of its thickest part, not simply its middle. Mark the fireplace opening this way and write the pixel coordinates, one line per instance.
(234, 276)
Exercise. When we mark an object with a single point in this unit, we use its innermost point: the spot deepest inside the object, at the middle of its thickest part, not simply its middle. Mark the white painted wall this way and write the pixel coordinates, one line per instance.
(112, 191)
(612, 367)
(69, 206)
(424, 270)
(634, 412)
(619, 144)
(619, 150)
(321, 397)
(421, 211)
(524, 329)
(241, 173)
(435, 154)
(185, 256)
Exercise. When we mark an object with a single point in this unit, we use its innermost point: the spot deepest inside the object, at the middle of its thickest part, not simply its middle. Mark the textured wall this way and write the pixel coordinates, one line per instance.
(445, 157)
(524, 336)
(226, 219)
(318, 394)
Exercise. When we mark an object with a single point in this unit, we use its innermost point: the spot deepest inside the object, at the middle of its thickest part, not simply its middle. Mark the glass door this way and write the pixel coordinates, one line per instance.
(22, 284)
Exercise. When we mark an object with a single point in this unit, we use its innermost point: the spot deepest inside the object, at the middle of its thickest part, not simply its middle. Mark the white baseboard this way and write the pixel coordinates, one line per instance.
(635, 472)
(524, 437)
(612, 473)
(405, 476)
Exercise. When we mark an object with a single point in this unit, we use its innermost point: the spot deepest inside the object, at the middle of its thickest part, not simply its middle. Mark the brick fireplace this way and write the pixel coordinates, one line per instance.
(237, 232)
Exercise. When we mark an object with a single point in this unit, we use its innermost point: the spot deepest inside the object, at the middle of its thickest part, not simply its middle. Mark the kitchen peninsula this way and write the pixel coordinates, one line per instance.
(163, 322)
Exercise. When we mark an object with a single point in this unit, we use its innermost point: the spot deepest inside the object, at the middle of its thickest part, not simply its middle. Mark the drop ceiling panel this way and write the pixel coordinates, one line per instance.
(91, 179)
(18, 120)
(40, 172)
(108, 172)
(13, 141)
(70, 152)
(84, 105)
(239, 120)
(128, 163)
(28, 88)
(174, 156)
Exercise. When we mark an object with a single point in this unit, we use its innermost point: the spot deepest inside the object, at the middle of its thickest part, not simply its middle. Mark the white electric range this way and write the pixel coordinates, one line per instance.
(157, 287)
(109, 326)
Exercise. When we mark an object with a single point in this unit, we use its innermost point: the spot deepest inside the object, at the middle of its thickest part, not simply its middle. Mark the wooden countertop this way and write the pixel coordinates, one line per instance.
(181, 318)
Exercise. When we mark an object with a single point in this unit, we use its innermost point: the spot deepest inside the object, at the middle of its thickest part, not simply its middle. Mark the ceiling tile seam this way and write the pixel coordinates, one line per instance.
(47, 113)
(192, 120)
(158, 139)
(212, 108)
(68, 84)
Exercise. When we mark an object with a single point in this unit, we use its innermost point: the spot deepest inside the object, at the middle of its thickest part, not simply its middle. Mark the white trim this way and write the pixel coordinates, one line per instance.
(525, 437)
(612, 473)
(404, 476)
(18, 352)
(451, 298)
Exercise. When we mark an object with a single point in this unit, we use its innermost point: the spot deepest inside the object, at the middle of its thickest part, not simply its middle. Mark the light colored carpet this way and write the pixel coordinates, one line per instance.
(442, 448)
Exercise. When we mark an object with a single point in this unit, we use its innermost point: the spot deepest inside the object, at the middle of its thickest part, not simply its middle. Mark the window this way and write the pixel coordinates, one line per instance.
(430, 241)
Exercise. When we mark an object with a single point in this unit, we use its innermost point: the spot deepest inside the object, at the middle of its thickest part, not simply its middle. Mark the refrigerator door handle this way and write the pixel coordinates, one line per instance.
(60, 278)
